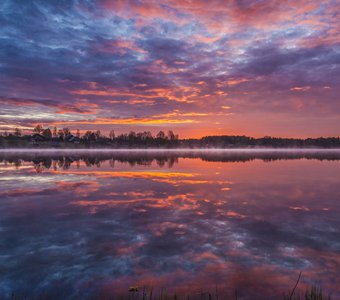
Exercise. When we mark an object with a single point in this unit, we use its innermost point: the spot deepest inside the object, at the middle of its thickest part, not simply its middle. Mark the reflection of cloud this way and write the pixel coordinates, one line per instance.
(181, 201)
(78, 188)
(225, 189)
(299, 208)
(137, 174)
(149, 227)
(234, 214)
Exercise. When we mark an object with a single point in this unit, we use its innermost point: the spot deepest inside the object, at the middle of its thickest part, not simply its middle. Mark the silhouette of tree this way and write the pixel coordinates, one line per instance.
(89, 136)
(132, 135)
(66, 131)
(47, 133)
(38, 129)
(61, 134)
(171, 135)
(17, 132)
(97, 134)
(112, 134)
(161, 135)
(55, 132)
(145, 139)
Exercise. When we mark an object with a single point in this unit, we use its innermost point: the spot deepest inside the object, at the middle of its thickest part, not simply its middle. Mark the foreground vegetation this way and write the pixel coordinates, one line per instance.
(64, 138)
(136, 293)
(313, 293)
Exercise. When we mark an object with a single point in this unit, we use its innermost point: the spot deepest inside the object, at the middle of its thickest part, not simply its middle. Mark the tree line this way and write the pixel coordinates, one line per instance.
(64, 137)
(60, 136)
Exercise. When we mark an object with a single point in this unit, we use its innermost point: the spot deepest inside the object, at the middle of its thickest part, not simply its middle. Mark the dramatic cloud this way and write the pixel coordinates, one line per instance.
(128, 64)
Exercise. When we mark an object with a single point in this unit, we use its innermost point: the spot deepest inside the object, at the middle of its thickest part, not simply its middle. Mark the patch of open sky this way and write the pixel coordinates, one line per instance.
(114, 26)
(289, 37)
(37, 114)
(320, 10)
(40, 115)
(107, 27)
(175, 31)
(5, 126)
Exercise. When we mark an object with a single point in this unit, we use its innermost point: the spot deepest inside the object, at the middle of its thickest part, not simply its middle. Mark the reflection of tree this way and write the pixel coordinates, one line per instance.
(17, 164)
(54, 164)
(43, 161)
(112, 163)
(172, 161)
(47, 163)
(67, 163)
(60, 162)
(38, 168)
(160, 162)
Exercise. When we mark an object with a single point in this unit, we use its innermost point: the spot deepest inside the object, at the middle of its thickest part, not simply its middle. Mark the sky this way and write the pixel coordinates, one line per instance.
(196, 67)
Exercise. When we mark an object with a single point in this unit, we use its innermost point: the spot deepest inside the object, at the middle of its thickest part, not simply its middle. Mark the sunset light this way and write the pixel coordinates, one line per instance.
(124, 64)
(169, 149)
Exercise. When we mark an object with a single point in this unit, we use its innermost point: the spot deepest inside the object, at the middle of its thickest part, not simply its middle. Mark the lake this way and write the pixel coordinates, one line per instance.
(90, 224)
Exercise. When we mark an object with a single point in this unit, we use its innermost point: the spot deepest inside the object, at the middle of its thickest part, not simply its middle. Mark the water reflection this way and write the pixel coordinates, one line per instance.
(79, 226)
(64, 159)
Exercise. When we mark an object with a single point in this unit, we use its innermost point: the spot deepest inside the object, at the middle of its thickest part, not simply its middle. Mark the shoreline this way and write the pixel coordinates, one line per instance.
(172, 150)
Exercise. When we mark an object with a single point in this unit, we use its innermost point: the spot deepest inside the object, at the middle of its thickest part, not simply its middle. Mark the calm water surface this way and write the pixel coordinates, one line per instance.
(80, 226)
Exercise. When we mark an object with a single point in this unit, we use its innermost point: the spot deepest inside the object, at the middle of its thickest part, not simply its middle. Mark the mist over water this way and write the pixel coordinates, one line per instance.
(90, 223)
(156, 154)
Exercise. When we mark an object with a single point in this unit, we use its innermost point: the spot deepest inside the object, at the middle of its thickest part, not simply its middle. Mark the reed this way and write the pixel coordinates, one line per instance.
(313, 293)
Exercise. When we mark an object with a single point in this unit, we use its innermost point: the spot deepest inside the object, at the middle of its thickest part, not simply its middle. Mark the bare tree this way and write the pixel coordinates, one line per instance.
(87, 135)
(171, 135)
(55, 132)
(61, 134)
(17, 132)
(66, 131)
(47, 133)
(97, 134)
(38, 129)
(112, 134)
(132, 135)
(161, 135)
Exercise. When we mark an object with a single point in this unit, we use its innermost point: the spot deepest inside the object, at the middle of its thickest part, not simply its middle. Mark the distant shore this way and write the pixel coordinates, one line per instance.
(63, 139)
